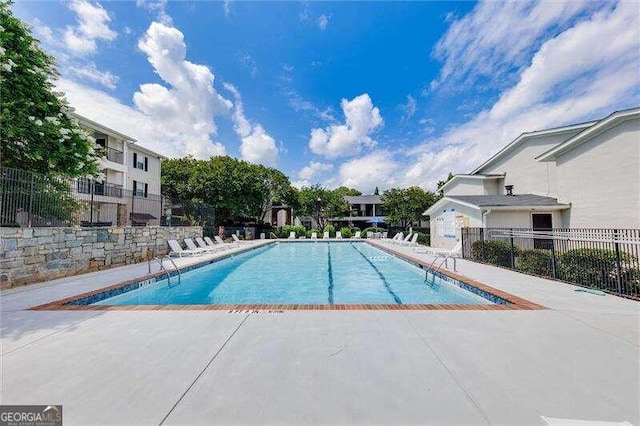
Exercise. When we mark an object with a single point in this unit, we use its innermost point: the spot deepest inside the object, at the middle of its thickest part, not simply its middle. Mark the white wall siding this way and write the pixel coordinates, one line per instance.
(519, 219)
(468, 186)
(527, 175)
(601, 179)
(150, 177)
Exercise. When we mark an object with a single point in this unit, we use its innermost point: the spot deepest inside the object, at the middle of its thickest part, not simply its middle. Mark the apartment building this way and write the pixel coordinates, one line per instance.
(128, 192)
(583, 175)
(364, 211)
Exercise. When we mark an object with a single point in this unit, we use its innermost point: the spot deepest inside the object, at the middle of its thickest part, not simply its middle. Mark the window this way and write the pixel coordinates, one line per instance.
(101, 139)
(140, 162)
(140, 189)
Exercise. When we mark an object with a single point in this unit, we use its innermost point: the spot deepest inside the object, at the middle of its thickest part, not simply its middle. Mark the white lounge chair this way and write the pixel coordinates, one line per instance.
(221, 242)
(404, 240)
(385, 235)
(325, 236)
(358, 234)
(397, 238)
(192, 246)
(456, 251)
(292, 235)
(314, 235)
(237, 240)
(338, 235)
(177, 250)
(202, 244)
(210, 242)
(369, 234)
(411, 243)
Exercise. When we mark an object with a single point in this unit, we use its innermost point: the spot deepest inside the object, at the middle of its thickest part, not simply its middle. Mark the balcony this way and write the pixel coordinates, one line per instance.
(85, 186)
(114, 155)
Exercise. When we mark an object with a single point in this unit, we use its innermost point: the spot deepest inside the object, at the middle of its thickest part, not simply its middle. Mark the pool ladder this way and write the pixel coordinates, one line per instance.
(444, 260)
(160, 261)
(274, 235)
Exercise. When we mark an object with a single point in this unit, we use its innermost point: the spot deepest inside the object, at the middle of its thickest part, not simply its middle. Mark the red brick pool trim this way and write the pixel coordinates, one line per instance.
(515, 303)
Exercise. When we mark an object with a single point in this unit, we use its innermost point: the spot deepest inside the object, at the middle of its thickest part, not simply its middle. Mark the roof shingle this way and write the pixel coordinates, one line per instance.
(519, 200)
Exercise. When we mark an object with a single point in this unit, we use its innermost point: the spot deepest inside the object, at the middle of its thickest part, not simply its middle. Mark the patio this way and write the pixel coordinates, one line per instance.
(578, 359)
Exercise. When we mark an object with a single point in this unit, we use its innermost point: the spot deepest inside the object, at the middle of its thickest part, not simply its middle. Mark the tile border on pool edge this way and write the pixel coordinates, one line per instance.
(514, 302)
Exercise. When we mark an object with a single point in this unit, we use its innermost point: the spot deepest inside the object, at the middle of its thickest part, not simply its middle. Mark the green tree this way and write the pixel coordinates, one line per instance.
(405, 206)
(269, 187)
(322, 204)
(37, 129)
(339, 206)
(441, 183)
(315, 201)
(234, 188)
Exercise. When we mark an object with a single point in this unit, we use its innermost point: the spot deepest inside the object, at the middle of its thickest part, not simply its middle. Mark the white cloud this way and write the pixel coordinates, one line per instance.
(157, 7)
(92, 25)
(247, 62)
(260, 148)
(149, 131)
(300, 183)
(188, 104)
(299, 104)
(408, 109)
(92, 73)
(42, 32)
(70, 44)
(323, 21)
(226, 8)
(498, 36)
(313, 169)
(304, 12)
(365, 173)
(257, 145)
(361, 120)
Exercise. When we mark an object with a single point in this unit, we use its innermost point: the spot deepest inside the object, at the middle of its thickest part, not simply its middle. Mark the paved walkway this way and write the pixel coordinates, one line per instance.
(579, 359)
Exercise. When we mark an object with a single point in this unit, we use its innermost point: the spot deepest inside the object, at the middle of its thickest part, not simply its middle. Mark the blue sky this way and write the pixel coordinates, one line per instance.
(354, 93)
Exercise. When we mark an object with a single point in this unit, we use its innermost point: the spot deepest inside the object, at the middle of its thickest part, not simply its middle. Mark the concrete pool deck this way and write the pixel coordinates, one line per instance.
(578, 359)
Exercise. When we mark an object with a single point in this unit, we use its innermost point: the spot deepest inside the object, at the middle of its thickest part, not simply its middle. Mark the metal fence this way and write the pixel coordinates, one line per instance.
(605, 259)
(30, 199)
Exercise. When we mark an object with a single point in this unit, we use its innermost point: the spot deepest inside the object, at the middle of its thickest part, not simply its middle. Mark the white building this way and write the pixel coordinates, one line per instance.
(583, 175)
(364, 211)
(129, 192)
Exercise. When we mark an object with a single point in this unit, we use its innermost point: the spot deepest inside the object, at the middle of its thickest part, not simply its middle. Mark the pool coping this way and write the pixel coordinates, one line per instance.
(514, 302)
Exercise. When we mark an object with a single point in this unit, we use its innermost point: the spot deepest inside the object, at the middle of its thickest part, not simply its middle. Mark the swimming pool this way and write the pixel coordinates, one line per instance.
(302, 273)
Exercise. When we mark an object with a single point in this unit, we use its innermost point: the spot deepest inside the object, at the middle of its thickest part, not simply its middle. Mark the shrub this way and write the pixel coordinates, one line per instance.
(423, 238)
(310, 231)
(354, 229)
(346, 232)
(535, 262)
(589, 267)
(631, 279)
(287, 229)
(331, 230)
(493, 252)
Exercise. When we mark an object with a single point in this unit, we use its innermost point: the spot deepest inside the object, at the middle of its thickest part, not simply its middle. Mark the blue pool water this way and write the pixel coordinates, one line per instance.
(303, 273)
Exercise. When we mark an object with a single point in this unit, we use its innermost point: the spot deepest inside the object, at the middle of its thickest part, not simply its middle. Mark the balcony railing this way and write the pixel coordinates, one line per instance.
(115, 155)
(85, 186)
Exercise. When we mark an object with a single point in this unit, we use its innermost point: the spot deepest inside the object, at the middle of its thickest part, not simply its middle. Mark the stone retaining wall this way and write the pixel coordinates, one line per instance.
(29, 255)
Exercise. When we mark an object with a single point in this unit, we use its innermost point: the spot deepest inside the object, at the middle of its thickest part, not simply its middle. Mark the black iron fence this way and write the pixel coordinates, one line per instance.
(30, 199)
(605, 259)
